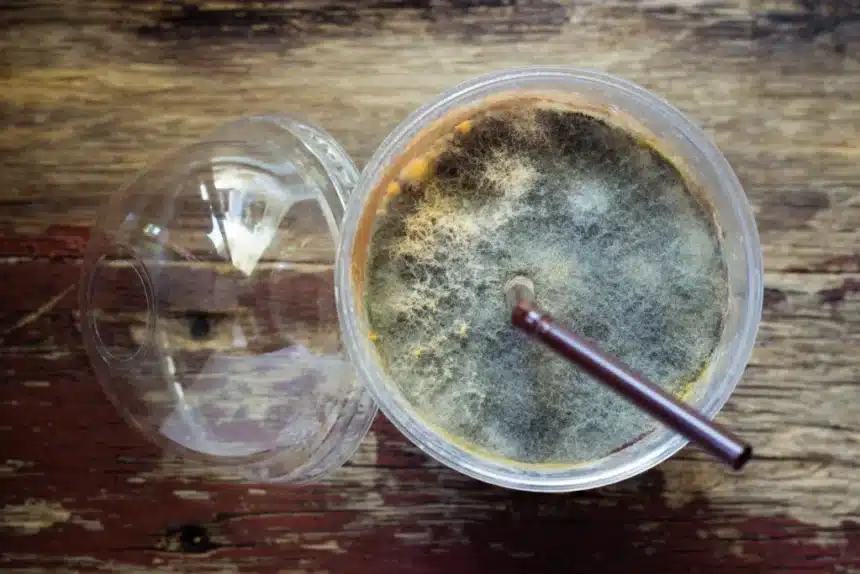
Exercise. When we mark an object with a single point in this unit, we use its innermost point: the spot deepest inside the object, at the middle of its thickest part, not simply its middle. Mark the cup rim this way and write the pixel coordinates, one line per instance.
(432, 441)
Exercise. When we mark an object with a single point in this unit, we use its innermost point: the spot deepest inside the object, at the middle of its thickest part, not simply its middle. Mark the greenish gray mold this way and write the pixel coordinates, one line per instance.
(618, 248)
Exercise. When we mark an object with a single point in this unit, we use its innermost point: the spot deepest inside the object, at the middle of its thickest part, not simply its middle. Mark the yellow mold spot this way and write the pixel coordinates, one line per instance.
(416, 170)
(687, 393)
(382, 209)
(418, 353)
(464, 127)
(373, 336)
(393, 189)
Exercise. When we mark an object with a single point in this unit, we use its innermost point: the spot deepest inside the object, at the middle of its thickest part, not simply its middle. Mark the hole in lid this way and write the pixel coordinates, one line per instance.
(199, 326)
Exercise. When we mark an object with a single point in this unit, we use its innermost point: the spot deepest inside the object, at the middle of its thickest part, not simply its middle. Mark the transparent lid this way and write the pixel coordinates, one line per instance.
(208, 302)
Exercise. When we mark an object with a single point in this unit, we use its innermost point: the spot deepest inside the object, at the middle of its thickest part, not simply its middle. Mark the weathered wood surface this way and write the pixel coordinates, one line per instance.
(92, 91)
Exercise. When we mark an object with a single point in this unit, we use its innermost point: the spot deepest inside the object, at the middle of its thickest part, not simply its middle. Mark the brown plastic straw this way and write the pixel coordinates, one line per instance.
(632, 386)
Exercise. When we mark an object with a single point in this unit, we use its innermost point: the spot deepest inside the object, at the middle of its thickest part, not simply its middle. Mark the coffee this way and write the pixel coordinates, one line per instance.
(620, 244)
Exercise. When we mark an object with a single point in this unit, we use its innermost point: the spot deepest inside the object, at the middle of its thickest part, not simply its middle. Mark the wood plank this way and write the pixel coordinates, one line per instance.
(91, 92)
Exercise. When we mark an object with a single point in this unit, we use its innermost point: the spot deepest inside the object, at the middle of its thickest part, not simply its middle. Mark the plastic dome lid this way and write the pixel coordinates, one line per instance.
(208, 302)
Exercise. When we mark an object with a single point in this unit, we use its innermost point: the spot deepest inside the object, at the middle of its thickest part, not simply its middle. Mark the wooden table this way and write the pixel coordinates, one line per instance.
(91, 91)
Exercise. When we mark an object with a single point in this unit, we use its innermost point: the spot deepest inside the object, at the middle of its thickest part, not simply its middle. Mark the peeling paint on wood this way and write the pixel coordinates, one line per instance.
(329, 546)
(91, 525)
(12, 465)
(191, 495)
(37, 384)
(32, 516)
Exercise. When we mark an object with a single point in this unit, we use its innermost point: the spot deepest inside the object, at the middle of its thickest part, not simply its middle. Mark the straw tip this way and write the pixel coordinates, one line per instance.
(744, 458)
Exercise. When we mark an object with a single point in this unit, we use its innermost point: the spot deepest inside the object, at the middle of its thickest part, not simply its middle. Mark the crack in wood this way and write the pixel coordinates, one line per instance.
(837, 294)
(806, 20)
(773, 297)
(297, 23)
(188, 538)
(847, 263)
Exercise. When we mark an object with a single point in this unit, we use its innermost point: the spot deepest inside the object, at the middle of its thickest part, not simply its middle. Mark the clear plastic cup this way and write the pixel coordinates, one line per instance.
(651, 119)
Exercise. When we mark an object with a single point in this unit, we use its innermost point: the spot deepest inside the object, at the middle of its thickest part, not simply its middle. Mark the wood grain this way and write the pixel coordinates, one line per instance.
(90, 92)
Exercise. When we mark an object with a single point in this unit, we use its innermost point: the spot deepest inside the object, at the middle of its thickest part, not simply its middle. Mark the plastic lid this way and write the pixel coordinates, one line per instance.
(208, 302)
